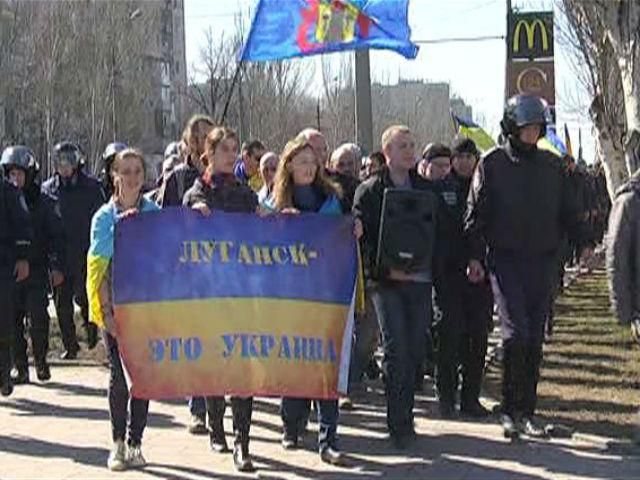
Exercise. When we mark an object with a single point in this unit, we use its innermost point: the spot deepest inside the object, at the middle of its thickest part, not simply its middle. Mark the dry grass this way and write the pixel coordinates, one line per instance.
(590, 377)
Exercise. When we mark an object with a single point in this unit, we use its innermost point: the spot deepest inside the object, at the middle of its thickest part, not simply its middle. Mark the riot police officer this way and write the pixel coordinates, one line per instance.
(520, 206)
(20, 167)
(79, 197)
(15, 241)
(108, 156)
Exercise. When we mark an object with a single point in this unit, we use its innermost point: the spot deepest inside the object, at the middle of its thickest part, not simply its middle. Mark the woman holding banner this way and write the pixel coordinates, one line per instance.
(301, 186)
(218, 189)
(128, 173)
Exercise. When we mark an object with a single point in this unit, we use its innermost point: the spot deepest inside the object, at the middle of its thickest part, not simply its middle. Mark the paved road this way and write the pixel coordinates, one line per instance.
(61, 430)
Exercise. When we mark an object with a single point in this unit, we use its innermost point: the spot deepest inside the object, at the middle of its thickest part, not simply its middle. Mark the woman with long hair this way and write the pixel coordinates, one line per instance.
(300, 185)
(128, 173)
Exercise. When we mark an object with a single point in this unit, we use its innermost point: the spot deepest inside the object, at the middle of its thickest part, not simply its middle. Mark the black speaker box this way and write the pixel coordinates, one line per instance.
(407, 230)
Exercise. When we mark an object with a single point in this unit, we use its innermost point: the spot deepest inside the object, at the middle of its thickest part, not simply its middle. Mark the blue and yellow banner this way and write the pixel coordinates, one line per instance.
(296, 28)
(234, 303)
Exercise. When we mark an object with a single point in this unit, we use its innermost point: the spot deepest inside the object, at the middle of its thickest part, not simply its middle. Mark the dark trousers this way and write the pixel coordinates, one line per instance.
(365, 341)
(31, 301)
(462, 334)
(295, 414)
(121, 405)
(7, 320)
(241, 410)
(522, 291)
(73, 288)
(198, 407)
(404, 314)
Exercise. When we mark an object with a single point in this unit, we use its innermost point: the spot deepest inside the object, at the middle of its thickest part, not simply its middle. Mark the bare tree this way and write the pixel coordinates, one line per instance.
(72, 69)
(605, 34)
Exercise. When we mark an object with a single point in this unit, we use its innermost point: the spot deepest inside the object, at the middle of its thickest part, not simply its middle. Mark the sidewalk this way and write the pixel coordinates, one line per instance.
(61, 430)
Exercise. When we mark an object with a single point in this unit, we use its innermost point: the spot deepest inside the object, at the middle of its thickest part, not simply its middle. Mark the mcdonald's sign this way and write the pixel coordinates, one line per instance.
(530, 35)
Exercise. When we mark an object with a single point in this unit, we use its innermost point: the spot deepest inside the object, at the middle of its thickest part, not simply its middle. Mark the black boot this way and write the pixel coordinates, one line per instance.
(92, 335)
(242, 458)
(43, 372)
(6, 385)
(21, 376)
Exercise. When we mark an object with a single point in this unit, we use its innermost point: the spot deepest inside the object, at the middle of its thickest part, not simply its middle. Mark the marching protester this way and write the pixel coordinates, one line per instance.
(522, 231)
(466, 307)
(15, 242)
(171, 194)
(402, 299)
(170, 161)
(219, 189)
(301, 186)
(247, 166)
(46, 264)
(128, 171)
(79, 196)
(436, 162)
(623, 256)
(182, 177)
(343, 169)
(372, 165)
(268, 167)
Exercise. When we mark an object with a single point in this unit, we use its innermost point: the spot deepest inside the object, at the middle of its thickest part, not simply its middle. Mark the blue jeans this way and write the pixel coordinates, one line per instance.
(295, 413)
(198, 407)
(404, 314)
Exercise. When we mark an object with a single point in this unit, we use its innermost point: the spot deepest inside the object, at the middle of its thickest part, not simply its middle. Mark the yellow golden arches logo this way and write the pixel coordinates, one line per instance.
(530, 28)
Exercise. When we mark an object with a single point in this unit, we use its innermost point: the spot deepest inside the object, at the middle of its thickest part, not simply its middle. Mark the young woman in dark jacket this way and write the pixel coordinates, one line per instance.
(218, 189)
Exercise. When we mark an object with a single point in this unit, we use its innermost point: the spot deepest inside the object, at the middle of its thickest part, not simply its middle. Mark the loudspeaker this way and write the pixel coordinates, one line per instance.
(407, 230)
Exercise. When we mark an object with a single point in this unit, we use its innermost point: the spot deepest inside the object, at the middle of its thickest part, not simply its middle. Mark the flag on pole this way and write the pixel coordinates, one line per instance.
(552, 143)
(567, 140)
(297, 28)
(475, 132)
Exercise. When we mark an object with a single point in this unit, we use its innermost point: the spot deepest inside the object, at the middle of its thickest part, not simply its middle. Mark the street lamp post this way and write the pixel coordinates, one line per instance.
(137, 13)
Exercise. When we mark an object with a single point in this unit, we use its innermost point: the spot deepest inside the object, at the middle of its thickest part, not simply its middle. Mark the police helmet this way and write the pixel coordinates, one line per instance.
(523, 110)
(172, 149)
(67, 152)
(21, 157)
(109, 155)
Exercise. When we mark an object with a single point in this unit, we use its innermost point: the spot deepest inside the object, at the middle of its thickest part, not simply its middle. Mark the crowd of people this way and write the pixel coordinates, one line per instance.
(507, 223)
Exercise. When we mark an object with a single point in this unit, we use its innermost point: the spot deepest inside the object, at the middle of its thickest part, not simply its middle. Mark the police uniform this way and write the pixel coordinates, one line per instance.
(47, 254)
(78, 197)
(520, 207)
(15, 241)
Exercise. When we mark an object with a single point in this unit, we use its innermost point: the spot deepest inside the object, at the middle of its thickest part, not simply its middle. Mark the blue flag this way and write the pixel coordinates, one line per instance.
(297, 28)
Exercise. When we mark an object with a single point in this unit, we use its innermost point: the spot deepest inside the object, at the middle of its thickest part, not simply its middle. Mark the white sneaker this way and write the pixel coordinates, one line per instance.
(135, 458)
(117, 461)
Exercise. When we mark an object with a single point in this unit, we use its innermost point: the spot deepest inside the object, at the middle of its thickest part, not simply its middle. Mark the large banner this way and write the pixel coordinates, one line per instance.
(234, 303)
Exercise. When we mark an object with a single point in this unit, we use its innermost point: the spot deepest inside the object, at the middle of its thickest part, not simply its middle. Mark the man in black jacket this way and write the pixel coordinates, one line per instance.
(79, 196)
(15, 241)
(520, 206)
(46, 260)
(402, 299)
(466, 307)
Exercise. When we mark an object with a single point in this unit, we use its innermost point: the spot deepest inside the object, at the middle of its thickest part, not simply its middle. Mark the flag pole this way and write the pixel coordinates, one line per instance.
(234, 81)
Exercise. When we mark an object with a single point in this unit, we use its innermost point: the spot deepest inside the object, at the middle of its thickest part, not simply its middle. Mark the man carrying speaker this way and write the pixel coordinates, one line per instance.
(401, 296)
(466, 307)
(520, 206)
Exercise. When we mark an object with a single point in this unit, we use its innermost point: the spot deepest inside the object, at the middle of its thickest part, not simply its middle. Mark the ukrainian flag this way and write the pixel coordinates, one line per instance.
(469, 129)
(235, 303)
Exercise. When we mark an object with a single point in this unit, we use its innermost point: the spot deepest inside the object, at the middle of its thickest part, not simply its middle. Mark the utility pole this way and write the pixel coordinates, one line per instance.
(364, 114)
(507, 61)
